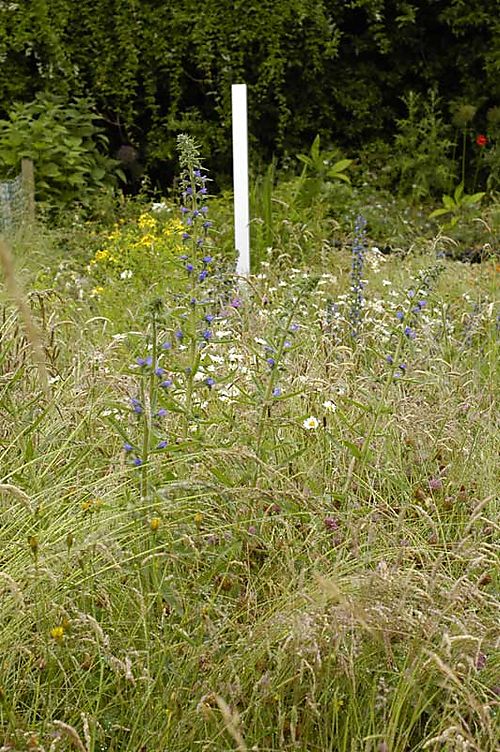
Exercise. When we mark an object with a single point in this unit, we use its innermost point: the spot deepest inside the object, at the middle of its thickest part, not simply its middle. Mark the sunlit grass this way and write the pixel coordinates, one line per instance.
(275, 585)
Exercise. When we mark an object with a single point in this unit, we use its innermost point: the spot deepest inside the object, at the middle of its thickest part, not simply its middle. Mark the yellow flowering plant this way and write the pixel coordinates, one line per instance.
(142, 250)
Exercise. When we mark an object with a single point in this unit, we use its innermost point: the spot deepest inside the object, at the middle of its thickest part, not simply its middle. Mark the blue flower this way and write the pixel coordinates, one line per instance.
(159, 371)
(270, 362)
(202, 275)
(207, 259)
(189, 268)
(166, 384)
(137, 462)
(162, 444)
(410, 333)
(144, 361)
(185, 236)
(166, 346)
(207, 334)
(210, 382)
(209, 317)
(136, 405)
(390, 359)
(179, 335)
(276, 391)
(161, 412)
(128, 447)
(400, 315)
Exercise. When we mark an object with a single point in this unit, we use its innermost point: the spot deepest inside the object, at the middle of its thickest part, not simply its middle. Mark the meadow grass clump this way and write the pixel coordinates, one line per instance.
(305, 556)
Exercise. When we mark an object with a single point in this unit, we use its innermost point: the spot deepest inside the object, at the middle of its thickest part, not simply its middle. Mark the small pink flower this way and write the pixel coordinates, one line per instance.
(435, 484)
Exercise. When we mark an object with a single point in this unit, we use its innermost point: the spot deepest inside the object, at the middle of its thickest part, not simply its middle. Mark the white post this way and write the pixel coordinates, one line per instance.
(240, 178)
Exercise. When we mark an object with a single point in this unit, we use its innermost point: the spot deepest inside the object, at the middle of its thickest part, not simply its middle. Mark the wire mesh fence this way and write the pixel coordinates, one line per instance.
(17, 199)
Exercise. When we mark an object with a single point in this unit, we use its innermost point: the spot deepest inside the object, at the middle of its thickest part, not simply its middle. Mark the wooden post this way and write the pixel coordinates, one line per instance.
(28, 182)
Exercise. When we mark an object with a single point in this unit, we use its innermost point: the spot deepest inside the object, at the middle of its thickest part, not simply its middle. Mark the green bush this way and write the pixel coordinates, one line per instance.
(421, 159)
(336, 67)
(65, 145)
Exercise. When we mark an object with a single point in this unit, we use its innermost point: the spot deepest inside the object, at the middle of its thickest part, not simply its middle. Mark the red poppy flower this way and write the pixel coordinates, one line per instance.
(481, 140)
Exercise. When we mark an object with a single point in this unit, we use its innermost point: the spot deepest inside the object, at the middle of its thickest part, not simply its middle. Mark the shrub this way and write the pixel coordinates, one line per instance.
(65, 145)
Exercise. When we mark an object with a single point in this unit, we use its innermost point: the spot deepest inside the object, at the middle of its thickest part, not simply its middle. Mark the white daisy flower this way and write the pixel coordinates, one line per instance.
(330, 407)
(311, 423)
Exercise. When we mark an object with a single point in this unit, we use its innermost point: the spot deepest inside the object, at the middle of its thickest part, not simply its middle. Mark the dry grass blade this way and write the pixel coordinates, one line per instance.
(231, 721)
(14, 290)
(71, 734)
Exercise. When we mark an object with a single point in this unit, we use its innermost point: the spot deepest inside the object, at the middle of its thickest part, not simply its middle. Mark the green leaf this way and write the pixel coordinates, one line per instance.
(342, 164)
(475, 198)
(458, 192)
(354, 449)
(98, 173)
(438, 213)
(315, 148)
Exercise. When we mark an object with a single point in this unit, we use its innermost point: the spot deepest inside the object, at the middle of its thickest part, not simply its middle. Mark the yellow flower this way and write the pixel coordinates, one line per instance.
(97, 290)
(155, 524)
(146, 222)
(147, 239)
(174, 227)
(101, 255)
(92, 505)
(57, 633)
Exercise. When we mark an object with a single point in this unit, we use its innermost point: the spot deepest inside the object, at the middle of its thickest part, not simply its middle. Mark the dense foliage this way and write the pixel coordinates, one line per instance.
(65, 144)
(331, 67)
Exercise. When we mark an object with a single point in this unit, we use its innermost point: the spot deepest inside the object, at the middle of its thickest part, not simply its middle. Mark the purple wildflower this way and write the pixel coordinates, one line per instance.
(331, 523)
(144, 361)
(136, 405)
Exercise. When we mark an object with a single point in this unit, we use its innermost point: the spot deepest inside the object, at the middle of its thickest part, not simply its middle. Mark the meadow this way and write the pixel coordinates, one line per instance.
(250, 514)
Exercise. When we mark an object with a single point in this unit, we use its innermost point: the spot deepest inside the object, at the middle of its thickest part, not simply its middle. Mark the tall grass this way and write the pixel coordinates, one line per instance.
(279, 586)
